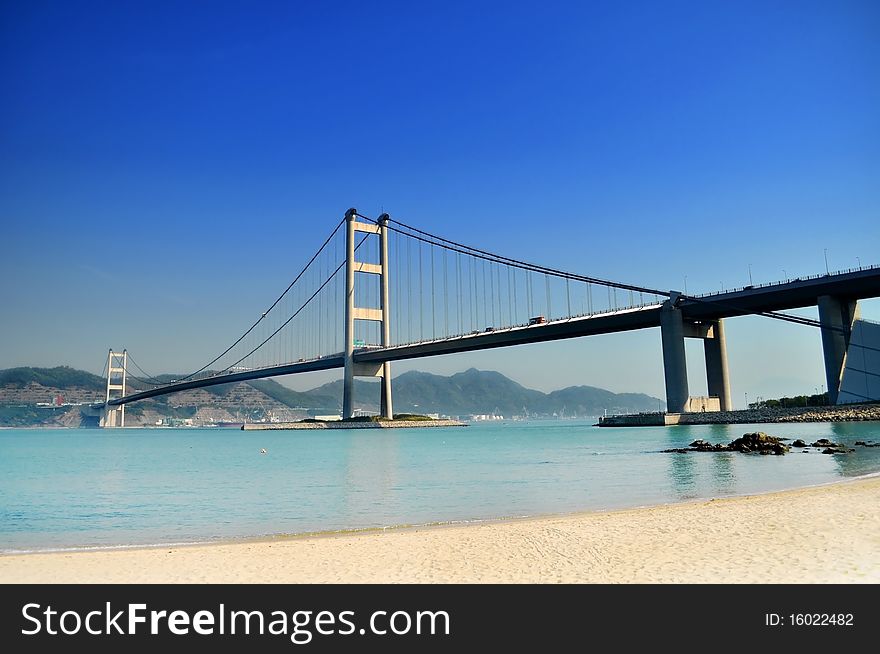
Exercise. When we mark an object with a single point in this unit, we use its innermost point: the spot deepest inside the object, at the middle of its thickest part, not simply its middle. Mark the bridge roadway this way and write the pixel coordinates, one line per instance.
(794, 294)
(772, 297)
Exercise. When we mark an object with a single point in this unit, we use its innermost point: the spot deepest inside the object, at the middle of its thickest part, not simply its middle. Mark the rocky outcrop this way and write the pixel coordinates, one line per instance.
(760, 443)
(755, 442)
(830, 447)
(824, 442)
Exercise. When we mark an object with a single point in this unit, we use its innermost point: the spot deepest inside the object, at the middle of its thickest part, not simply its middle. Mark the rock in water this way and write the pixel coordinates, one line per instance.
(755, 442)
(837, 450)
(703, 446)
(759, 442)
(799, 443)
(824, 442)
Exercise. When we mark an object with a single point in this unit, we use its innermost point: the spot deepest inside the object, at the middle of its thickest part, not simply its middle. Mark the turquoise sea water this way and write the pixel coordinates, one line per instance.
(105, 488)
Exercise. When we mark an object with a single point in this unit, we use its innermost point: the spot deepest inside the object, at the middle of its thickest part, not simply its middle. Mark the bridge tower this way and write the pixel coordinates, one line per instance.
(352, 313)
(117, 366)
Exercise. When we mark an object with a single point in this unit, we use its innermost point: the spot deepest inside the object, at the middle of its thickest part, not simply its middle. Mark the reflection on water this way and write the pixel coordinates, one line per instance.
(701, 474)
(681, 472)
(867, 459)
(719, 433)
(136, 486)
(370, 473)
(723, 473)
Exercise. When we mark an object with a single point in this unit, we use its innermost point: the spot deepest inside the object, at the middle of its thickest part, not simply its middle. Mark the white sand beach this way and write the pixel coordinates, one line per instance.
(814, 535)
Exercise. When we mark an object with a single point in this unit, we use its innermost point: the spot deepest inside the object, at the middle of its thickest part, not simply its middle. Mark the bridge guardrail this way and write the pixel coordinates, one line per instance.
(786, 281)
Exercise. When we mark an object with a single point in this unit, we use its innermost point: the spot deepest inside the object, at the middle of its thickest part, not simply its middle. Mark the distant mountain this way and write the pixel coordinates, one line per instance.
(61, 377)
(465, 393)
(485, 392)
(592, 401)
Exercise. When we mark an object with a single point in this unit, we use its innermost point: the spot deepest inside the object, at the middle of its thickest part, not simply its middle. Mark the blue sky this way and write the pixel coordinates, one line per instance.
(165, 170)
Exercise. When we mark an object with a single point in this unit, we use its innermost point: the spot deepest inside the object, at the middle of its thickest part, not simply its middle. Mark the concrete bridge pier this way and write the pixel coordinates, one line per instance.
(717, 376)
(112, 416)
(673, 331)
(836, 316)
(674, 360)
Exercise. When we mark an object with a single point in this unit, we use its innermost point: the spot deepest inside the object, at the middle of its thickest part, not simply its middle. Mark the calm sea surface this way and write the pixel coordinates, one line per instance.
(102, 488)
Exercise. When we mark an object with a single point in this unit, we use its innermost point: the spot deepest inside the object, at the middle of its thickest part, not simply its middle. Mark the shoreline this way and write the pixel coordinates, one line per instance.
(822, 533)
(406, 527)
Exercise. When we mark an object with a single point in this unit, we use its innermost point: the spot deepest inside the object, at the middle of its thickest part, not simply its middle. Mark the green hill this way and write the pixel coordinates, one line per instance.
(59, 377)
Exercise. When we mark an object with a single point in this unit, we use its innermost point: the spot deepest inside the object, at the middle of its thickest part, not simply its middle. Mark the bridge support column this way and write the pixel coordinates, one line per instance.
(674, 361)
(386, 407)
(112, 417)
(717, 378)
(353, 313)
(348, 373)
(836, 316)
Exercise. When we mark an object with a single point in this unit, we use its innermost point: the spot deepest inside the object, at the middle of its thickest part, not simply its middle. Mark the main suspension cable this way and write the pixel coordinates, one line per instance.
(297, 312)
(266, 312)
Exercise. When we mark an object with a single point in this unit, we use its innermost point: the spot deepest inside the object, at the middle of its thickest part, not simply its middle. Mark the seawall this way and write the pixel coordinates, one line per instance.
(842, 413)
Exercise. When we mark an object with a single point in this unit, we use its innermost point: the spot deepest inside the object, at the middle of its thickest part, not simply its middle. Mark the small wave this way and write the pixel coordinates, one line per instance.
(105, 548)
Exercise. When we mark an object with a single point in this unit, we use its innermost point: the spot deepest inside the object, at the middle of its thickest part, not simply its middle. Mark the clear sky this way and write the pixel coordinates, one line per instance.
(166, 168)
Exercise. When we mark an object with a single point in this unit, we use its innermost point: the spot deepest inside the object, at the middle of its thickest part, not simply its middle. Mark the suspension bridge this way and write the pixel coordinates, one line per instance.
(380, 290)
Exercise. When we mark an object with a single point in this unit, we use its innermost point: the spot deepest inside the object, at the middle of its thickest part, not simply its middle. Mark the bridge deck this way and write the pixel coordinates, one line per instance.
(799, 293)
(326, 363)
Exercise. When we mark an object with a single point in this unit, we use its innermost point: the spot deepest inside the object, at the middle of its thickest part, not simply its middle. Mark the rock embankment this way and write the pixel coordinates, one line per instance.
(842, 413)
